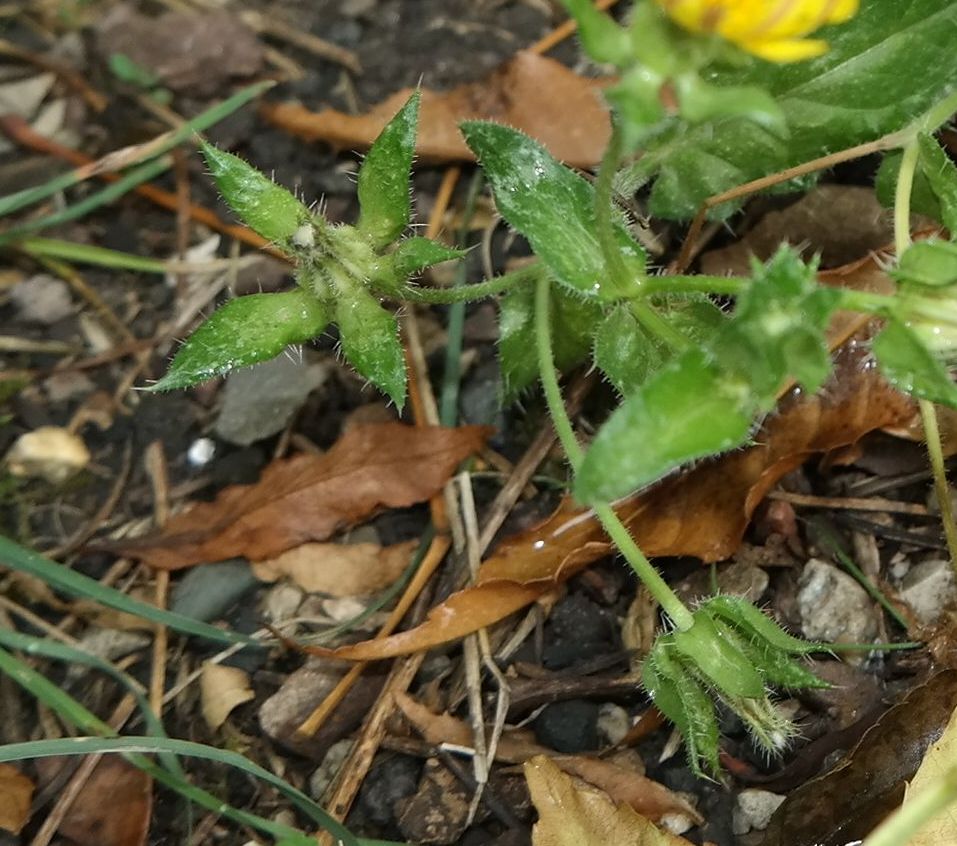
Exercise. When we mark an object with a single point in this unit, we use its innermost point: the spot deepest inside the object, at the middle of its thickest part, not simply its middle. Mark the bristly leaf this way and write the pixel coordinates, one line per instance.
(931, 264)
(243, 332)
(911, 367)
(552, 206)
(624, 352)
(573, 321)
(415, 254)
(259, 202)
(384, 198)
(907, 46)
(370, 342)
(941, 173)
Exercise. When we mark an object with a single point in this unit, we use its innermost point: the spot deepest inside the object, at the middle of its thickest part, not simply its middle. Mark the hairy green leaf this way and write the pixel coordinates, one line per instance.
(911, 367)
(931, 263)
(884, 68)
(941, 174)
(552, 206)
(384, 198)
(415, 254)
(624, 352)
(573, 321)
(245, 331)
(259, 202)
(370, 342)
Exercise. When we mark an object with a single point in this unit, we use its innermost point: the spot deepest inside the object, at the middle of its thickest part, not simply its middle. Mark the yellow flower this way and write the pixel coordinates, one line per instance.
(770, 29)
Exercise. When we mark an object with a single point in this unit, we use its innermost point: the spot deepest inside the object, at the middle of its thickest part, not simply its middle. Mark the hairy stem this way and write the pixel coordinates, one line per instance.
(619, 278)
(468, 293)
(617, 531)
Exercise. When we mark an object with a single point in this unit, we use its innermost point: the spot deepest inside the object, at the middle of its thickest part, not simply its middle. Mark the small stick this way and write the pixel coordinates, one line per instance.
(155, 461)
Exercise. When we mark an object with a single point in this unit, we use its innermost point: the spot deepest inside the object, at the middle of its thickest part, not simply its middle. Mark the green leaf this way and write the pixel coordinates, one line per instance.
(716, 658)
(126, 70)
(260, 203)
(689, 409)
(415, 254)
(370, 342)
(699, 101)
(931, 263)
(758, 626)
(624, 352)
(923, 200)
(573, 321)
(245, 331)
(888, 65)
(552, 206)
(910, 367)
(941, 174)
(384, 198)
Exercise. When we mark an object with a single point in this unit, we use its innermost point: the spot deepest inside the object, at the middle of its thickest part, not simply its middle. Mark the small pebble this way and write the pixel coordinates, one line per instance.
(324, 774)
(613, 723)
(569, 727)
(833, 606)
(753, 810)
(49, 453)
(42, 299)
(928, 588)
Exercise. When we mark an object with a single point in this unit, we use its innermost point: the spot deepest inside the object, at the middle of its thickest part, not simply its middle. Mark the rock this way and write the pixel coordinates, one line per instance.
(834, 607)
(208, 591)
(282, 602)
(579, 629)
(613, 723)
(42, 299)
(260, 401)
(569, 727)
(327, 771)
(392, 777)
(928, 588)
(49, 453)
(438, 812)
(753, 810)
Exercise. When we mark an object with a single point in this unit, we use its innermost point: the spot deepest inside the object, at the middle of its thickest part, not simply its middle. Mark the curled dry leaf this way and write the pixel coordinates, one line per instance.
(222, 689)
(540, 96)
(639, 792)
(16, 793)
(310, 497)
(846, 803)
(339, 569)
(573, 815)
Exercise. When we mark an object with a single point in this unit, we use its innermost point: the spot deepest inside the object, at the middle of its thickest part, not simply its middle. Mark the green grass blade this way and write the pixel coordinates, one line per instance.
(201, 122)
(62, 578)
(74, 713)
(186, 748)
(88, 254)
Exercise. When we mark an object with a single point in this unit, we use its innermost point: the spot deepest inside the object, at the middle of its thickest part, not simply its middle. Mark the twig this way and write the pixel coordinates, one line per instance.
(155, 461)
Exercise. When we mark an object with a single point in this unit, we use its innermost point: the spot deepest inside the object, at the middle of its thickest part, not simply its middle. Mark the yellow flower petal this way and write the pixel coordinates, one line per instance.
(770, 29)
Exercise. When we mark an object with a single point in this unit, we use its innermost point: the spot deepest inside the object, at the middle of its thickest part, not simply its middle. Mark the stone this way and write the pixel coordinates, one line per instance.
(42, 299)
(326, 772)
(928, 588)
(613, 724)
(570, 727)
(753, 809)
(833, 606)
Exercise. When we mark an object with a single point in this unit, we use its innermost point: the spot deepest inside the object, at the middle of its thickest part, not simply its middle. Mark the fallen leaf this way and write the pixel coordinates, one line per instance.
(113, 808)
(639, 792)
(571, 815)
(845, 804)
(938, 760)
(540, 96)
(338, 569)
(222, 689)
(310, 497)
(701, 513)
(16, 793)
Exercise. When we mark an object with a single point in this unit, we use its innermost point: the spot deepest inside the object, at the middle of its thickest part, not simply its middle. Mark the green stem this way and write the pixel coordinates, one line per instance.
(909, 818)
(928, 414)
(730, 285)
(658, 326)
(468, 293)
(680, 615)
(619, 279)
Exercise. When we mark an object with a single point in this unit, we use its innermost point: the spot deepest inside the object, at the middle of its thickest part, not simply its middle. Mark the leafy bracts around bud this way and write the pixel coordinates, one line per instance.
(384, 199)
(733, 653)
(263, 205)
(370, 342)
(245, 331)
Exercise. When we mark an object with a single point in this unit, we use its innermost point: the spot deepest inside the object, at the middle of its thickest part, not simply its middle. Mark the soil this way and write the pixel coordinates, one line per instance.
(577, 648)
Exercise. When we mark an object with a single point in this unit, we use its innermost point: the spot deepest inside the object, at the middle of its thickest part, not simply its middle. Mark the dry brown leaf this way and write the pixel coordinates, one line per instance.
(113, 808)
(540, 96)
(310, 497)
(222, 689)
(16, 793)
(644, 795)
(573, 815)
(339, 569)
